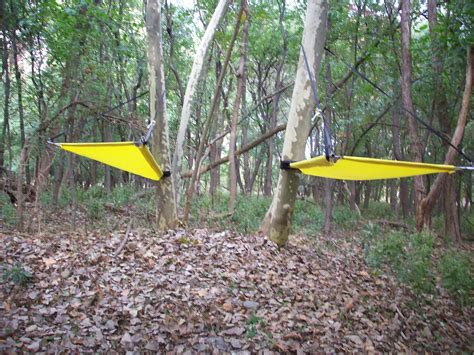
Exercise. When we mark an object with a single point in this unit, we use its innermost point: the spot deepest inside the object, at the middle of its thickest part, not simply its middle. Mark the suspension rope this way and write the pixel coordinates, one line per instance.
(326, 132)
(120, 104)
(412, 114)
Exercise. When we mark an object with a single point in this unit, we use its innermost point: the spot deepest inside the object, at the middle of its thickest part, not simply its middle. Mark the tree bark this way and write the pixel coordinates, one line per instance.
(276, 223)
(429, 201)
(328, 184)
(399, 155)
(452, 225)
(268, 182)
(6, 96)
(19, 86)
(205, 132)
(197, 71)
(19, 187)
(166, 214)
(241, 75)
(214, 147)
(416, 146)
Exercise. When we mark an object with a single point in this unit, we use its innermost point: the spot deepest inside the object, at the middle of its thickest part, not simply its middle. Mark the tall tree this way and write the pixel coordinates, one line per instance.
(443, 180)
(416, 147)
(268, 181)
(6, 86)
(207, 124)
(276, 223)
(235, 113)
(197, 71)
(166, 216)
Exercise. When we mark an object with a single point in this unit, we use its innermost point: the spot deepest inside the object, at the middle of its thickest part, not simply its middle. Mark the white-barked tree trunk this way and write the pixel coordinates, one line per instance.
(277, 221)
(197, 71)
(166, 216)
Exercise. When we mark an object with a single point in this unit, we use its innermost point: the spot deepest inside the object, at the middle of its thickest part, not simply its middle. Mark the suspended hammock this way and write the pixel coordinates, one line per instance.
(357, 168)
(332, 166)
(133, 157)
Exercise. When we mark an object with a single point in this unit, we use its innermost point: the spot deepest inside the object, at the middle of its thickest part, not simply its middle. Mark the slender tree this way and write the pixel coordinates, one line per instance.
(166, 216)
(277, 221)
(197, 71)
(443, 180)
(235, 113)
(416, 147)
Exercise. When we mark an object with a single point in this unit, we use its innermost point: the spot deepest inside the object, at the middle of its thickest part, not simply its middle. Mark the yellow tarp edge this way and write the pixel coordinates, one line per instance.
(359, 168)
(125, 156)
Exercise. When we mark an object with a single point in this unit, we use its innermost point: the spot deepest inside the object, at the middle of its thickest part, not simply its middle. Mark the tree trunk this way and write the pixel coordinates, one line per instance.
(214, 148)
(166, 215)
(6, 97)
(19, 186)
(268, 182)
(452, 225)
(21, 111)
(212, 111)
(329, 184)
(197, 71)
(235, 113)
(276, 224)
(399, 155)
(416, 146)
(428, 202)
(468, 197)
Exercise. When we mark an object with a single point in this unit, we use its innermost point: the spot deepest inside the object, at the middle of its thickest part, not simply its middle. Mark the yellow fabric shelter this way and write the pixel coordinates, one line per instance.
(357, 168)
(127, 156)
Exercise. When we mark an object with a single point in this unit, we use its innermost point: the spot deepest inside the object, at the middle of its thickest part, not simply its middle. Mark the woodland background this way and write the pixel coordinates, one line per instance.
(81, 67)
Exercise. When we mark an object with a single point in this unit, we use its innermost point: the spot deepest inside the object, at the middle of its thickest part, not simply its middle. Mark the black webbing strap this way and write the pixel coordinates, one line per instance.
(412, 114)
(326, 131)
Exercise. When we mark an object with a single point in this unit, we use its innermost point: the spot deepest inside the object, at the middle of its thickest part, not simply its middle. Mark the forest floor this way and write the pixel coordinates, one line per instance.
(212, 291)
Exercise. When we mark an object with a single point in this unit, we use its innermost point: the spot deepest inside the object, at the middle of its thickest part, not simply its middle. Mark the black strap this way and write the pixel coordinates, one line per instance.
(426, 125)
(326, 131)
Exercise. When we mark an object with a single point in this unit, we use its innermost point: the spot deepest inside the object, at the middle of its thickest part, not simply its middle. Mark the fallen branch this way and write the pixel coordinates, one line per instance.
(124, 241)
(392, 224)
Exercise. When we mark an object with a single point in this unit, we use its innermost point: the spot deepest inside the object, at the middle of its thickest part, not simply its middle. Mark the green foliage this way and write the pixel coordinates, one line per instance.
(16, 274)
(408, 255)
(457, 276)
(7, 210)
(467, 224)
(345, 218)
(308, 218)
(370, 231)
(249, 212)
(378, 210)
(95, 209)
(387, 250)
(252, 325)
(418, 268)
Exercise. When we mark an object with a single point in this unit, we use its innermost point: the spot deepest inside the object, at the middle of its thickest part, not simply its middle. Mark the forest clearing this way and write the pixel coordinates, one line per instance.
(223, 176)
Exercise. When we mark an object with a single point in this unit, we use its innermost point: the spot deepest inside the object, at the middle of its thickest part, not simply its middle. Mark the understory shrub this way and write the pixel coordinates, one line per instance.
(457, 277)
(408, 255)
(345, 218)
(7, 210)
(249, 212)
(16, 274)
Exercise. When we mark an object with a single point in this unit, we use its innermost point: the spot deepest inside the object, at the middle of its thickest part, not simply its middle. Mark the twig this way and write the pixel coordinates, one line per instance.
(124, 241)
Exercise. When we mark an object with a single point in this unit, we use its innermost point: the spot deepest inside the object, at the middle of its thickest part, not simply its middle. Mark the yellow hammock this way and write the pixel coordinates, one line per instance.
(128, 156)
(357, 168)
